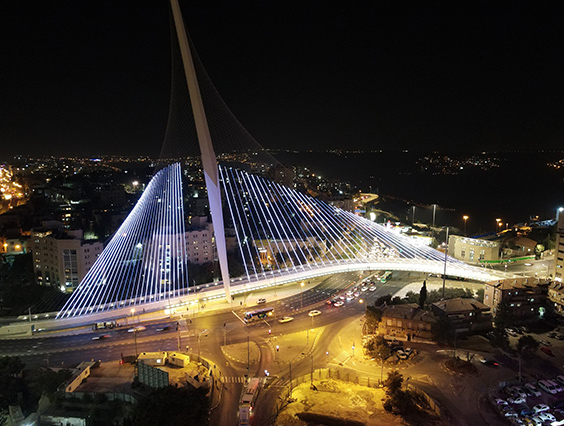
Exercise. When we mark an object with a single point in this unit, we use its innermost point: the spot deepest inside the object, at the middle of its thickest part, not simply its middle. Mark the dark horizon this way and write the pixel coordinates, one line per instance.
(83, 78)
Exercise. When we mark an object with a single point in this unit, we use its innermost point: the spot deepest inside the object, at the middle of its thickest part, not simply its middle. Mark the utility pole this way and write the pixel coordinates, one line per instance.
(311, 380)
(248, 357)
(224, 335)
(290, 381)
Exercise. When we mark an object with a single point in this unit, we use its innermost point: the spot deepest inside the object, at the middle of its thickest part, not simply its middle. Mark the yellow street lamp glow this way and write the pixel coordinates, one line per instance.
(465, 217)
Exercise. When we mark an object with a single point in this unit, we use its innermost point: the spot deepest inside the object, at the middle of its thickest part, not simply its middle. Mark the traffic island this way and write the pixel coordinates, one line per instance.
(242, 352)
(292, 347)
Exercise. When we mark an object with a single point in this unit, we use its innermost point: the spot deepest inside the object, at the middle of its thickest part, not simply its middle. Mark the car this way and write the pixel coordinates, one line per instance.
(559, 405)
(527, 412)
(535, 421)
(350, 297)
(314, 313)
(552, 334)
(518, 400)
(137, 329)
(533, 389)
(511, 413)
(261, 301)
(356, 294)
(350, 292)
(546, 417)
(520, 392)
(539, 408)
(339, 303)
(285, 320)
(560, 379)
(557, 385)
(165, 328)
(401, 354)
(408, 351)
(103, 336)
(560, 336)
(489, 362)
(499, 401)
(545, 342)
(546, 350)
(509, 390)
(363, 288)
(372, 288)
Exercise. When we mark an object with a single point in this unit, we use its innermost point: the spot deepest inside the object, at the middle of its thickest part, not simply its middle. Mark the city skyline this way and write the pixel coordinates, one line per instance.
(95, 79)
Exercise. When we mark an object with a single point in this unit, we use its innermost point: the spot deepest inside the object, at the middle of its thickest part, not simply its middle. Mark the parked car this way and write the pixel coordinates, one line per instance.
(546, 350)
(401, 354)
(518, 400)
(560, 379)
(534, 390)
(546, 417)
(520, 392)
(545, 342)
(408, 351)
(499, 401)
(539, 408)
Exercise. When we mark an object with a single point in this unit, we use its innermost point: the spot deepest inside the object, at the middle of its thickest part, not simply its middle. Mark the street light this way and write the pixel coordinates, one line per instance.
(302, 295)
(133, 316)
(465, 217)
(497, 221)
(434, 211)
(558, 211)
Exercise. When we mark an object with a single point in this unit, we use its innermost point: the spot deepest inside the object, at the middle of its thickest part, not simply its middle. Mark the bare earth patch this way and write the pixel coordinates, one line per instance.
(339, 403)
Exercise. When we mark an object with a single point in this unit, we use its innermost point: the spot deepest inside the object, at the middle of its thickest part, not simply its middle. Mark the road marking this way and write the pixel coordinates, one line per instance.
(238, 317)
(233, 380)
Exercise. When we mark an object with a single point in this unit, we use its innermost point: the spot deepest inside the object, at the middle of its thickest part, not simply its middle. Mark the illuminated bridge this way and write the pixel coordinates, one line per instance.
(281, 235)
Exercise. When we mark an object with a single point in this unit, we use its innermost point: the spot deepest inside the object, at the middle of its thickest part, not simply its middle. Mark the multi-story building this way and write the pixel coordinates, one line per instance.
(200, 242)
(558, 272)
(556, 295)
(526, 297)
(407, 321)
(466, 315)
(472, 250)
(13, 245)
(62, 258)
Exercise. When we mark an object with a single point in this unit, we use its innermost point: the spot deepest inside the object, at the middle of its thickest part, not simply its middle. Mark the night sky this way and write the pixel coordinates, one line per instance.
(82, 77)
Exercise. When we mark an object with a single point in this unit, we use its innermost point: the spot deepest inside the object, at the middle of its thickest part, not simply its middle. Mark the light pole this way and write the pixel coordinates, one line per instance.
(446, 255)
(135, 340)
(381, 367)
(497, 221)
(413, 217)
(353, 349)
(302, 295)
(465, 217)
(133, 316)
(434, 212)
(558, 211)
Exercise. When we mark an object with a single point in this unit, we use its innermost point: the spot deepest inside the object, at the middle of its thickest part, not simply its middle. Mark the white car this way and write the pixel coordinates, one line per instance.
(137, 329)
(339, 303)
(499, 401)
(533, 389)
(314, 313)
(261, 301)
(372, 288)
(285, 319)
(519, 392)
(517, 400)
(546, 417)
(539, 408)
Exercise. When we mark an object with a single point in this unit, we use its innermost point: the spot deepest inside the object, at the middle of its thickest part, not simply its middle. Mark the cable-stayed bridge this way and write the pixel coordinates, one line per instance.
(281, 234)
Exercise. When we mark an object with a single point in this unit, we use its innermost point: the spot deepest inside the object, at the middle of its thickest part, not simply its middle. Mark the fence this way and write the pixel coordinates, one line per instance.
(111, 396)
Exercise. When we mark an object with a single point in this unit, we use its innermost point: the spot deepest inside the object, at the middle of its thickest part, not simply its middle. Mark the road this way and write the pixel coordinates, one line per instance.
(205, 333)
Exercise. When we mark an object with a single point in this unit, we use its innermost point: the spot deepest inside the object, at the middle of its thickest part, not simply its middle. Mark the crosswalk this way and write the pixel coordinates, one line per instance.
(233, 379)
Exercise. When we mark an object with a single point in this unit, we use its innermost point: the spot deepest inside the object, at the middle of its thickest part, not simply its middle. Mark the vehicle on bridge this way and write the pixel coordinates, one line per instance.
(386, 277)
(259, 314)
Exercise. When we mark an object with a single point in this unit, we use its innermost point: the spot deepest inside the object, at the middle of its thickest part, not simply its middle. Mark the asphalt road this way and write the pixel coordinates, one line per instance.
(205, 334)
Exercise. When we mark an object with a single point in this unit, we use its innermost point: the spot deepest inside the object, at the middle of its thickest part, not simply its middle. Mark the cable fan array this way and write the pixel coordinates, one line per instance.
(145, 261)
(280, 229)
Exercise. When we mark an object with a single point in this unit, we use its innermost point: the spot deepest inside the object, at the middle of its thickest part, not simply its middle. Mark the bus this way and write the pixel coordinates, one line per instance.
(386, 277)
(251, 393)
(258, 315)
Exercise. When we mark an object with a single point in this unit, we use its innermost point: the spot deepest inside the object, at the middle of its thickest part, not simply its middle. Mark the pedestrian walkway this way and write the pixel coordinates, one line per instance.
(233, 379)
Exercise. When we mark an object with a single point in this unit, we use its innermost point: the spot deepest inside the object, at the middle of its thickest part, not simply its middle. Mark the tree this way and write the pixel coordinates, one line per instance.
(373, 318)
(527, 343)
(387, 299)
(503, 317)
(397, 398)
(423, 294)
(393, 383)
(480, 295)
(539, 248)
